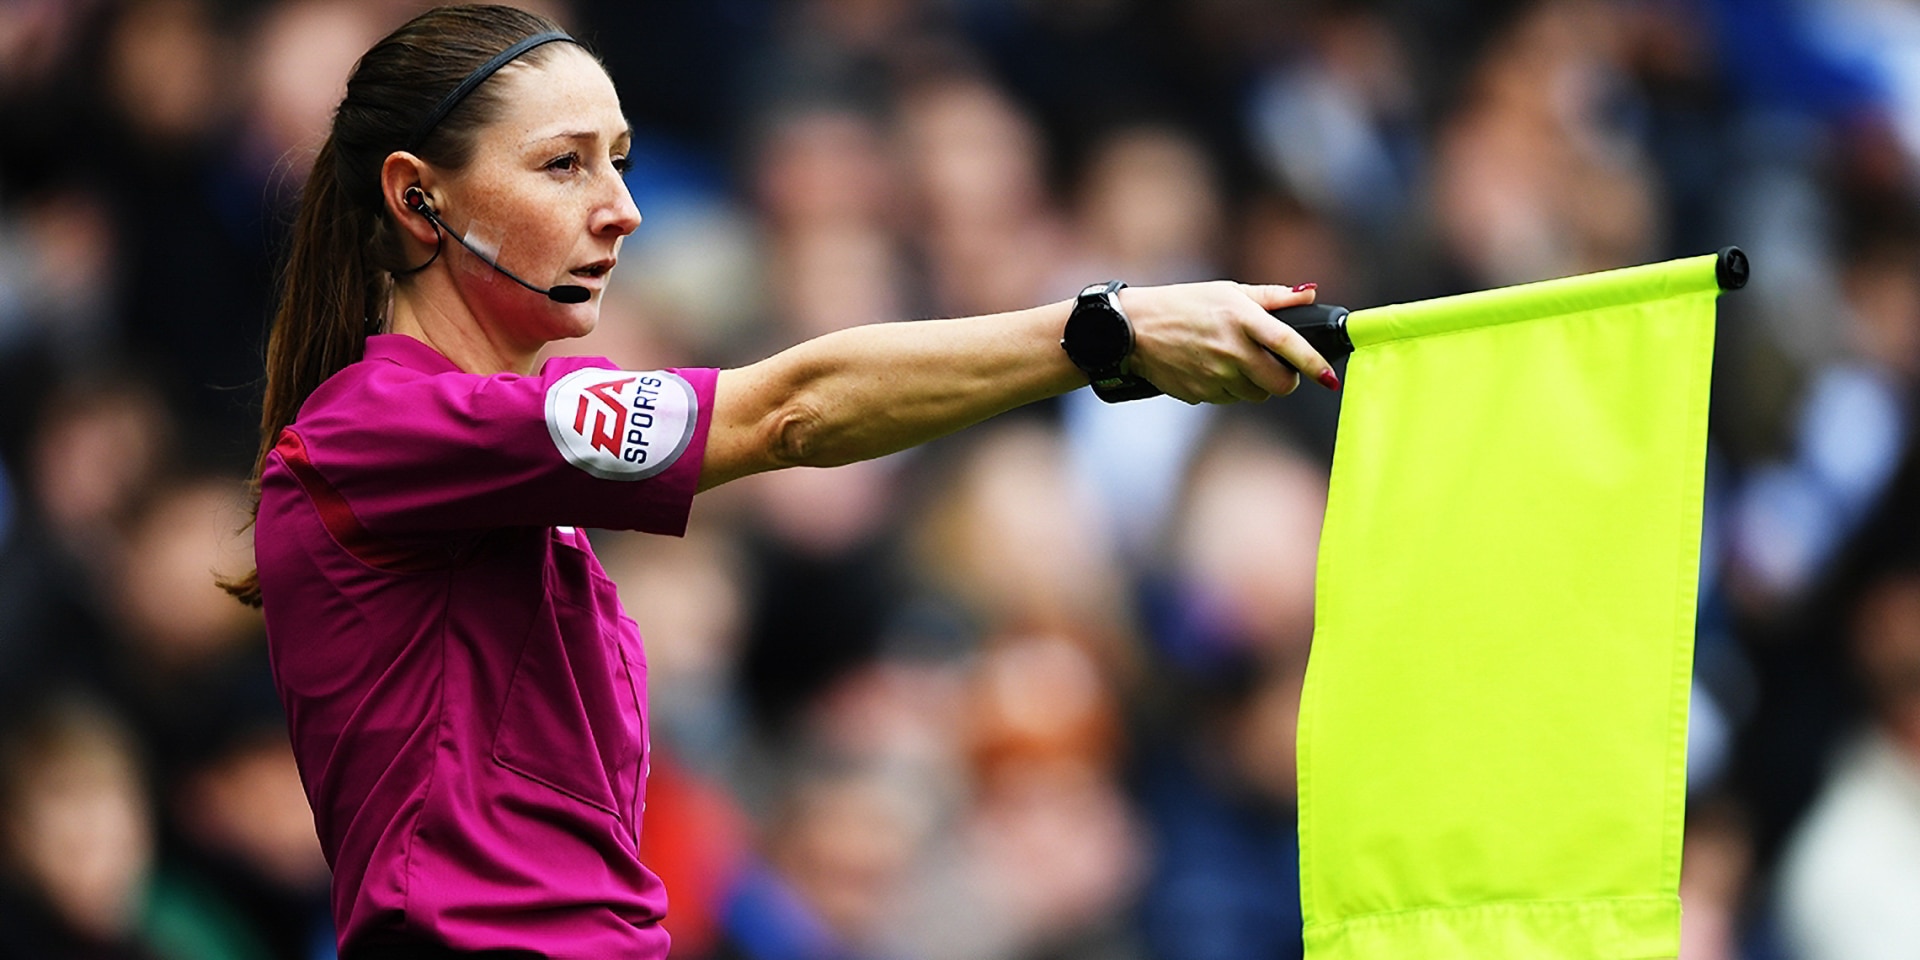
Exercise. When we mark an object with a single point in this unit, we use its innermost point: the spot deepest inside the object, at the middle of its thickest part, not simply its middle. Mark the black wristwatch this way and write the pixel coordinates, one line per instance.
(1098, 340)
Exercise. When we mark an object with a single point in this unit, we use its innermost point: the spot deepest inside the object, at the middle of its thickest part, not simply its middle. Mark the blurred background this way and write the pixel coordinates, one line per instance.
(1027, 693)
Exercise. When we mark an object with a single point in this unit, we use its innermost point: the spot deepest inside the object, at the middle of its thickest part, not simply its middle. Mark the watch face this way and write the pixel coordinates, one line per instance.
(1096, 336)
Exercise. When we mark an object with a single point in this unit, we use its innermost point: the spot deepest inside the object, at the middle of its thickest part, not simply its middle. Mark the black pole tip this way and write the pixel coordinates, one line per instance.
(1733, 268)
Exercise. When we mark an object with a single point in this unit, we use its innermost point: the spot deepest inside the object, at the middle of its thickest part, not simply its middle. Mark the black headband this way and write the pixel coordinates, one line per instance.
(477, 77)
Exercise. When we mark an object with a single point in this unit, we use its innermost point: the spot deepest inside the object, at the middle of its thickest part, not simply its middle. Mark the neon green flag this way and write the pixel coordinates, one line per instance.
(1493, 728)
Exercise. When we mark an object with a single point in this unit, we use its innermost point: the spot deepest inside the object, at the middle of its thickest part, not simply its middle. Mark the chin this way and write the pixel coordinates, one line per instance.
(579, 320)
(564, 339)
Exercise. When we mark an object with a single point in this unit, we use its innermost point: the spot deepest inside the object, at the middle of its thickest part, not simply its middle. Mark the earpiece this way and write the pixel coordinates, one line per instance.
(416, 200)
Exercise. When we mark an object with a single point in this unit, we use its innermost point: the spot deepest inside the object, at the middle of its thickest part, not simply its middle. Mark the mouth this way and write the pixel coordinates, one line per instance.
(594, 270)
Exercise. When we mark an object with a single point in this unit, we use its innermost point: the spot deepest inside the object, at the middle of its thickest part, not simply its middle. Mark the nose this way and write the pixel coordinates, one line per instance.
(618, 217)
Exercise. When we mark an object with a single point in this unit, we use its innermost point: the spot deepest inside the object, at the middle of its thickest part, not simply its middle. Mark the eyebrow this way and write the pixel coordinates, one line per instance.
(625, 131)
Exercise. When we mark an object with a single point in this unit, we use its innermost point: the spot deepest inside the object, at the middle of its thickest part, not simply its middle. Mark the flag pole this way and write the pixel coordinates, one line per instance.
(1325, 325)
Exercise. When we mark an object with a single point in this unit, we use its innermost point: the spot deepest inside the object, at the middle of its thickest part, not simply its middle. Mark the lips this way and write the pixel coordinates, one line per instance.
(594, 270)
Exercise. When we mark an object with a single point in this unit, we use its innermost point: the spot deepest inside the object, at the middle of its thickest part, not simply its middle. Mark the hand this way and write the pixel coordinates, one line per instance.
(1215, 342)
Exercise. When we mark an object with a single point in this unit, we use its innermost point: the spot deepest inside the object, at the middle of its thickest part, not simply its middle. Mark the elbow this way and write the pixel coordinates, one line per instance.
(794, 437)
(762, 422)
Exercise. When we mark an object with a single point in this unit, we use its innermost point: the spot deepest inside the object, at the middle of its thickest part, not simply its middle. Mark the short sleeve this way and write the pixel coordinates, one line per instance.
(582, 443)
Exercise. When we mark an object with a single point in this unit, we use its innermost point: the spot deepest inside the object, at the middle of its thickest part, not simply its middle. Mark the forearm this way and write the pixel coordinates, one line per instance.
(868, 391)
(871, 390)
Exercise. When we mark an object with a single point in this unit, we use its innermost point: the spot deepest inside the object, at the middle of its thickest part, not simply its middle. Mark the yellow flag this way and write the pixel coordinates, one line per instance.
(1493, 729)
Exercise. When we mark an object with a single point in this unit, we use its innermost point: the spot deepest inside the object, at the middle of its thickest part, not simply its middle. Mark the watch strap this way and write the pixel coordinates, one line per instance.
(1122, 387)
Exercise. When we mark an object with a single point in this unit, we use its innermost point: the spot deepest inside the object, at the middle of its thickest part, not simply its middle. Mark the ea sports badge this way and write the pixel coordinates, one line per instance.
(621, 424)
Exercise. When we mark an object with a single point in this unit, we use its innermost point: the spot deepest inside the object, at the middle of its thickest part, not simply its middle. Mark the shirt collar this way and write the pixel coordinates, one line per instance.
(405, 351)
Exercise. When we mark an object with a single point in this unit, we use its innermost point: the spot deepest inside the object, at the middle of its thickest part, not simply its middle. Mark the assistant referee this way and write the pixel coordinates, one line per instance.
(467, 700)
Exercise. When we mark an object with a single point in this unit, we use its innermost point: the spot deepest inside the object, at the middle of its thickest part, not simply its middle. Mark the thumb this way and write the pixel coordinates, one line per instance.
(1273, 296)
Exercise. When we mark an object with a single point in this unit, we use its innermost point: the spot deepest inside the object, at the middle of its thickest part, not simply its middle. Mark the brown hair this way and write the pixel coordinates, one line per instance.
(345, 248)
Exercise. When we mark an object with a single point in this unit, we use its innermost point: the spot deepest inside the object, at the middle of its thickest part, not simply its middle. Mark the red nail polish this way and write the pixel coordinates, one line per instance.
(1304, 287)
(1328, 380)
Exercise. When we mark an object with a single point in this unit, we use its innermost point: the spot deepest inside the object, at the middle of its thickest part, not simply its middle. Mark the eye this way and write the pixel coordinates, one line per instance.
(622, 164)
(564, 163)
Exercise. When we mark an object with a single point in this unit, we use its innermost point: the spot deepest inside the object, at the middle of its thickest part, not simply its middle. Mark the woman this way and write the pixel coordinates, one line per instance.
(466, 698)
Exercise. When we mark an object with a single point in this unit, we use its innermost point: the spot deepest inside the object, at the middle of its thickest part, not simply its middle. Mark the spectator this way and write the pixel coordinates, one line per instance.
(1852, 872)
(1233, 627)
(78, 835)
(835, 853)
(1149, 211)
(1532, 179)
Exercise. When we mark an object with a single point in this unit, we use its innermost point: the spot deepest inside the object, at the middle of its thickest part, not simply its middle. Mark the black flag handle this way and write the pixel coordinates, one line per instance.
(1322, 324)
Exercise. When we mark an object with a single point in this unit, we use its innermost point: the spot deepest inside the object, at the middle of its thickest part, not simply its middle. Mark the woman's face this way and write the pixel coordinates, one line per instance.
(543, 195)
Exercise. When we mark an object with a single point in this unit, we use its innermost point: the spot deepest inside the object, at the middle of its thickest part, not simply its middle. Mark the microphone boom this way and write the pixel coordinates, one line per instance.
(563, 293)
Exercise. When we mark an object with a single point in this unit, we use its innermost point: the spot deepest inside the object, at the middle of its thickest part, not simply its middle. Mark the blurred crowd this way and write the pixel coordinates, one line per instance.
(1027, 693)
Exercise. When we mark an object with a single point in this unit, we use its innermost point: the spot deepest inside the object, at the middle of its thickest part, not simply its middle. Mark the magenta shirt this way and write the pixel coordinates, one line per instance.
(467, 700)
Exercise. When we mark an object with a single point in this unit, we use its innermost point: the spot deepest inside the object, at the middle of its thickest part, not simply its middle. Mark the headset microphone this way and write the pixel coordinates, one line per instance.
(564, 293)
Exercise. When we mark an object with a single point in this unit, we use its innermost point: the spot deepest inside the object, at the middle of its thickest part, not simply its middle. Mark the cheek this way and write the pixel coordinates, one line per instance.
(521, 225)
(530, 245)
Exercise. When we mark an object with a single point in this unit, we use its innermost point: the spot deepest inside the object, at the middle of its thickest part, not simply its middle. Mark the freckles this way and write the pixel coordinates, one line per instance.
(488, 204)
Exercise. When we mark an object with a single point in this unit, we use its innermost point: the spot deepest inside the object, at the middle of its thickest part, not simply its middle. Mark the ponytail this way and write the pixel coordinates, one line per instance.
(330, 295)
(335, 287)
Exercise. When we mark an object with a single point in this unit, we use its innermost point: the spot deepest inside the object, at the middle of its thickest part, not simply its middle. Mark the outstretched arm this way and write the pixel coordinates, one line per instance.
(868, 391)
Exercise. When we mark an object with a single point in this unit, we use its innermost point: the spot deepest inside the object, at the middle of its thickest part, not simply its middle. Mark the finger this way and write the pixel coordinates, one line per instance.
(1267, 372)
(1242, 389)
(1190, 396)
(1275, 296)
(1287, 344)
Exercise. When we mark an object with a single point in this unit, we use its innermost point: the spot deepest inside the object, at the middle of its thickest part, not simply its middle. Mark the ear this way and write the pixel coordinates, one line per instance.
(401, 173)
